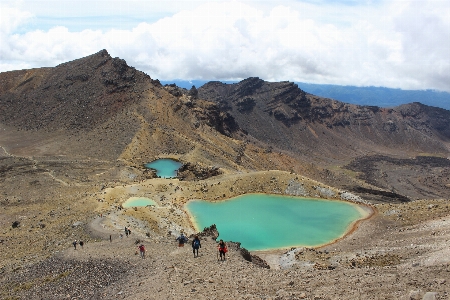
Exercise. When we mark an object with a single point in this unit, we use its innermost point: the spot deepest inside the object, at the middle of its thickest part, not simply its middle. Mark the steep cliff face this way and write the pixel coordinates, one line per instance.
(280, 113)
(206, 112)
(282, 100)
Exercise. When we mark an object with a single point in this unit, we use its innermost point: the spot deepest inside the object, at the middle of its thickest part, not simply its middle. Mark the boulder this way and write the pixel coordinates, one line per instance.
(15, 224)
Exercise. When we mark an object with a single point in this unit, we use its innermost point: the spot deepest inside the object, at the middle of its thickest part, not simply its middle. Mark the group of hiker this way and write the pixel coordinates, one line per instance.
(196, 244)
(182, 239)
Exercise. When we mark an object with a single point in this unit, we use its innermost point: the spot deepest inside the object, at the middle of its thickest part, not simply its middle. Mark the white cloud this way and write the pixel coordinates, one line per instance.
(396, 44)
(11, 18)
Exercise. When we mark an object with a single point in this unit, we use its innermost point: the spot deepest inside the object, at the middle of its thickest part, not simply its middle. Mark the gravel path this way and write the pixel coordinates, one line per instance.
(407, 263)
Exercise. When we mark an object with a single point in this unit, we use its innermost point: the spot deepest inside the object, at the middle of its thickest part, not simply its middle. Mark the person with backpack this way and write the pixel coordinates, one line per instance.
(196, 244)
(142, 250)
(181, 240)
(75, 244)
(222, 248)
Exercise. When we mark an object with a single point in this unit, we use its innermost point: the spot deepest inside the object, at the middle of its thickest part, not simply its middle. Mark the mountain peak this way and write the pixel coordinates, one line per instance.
(94, 60)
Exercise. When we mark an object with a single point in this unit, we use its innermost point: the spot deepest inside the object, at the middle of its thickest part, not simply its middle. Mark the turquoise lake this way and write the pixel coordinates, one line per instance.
(138, 201)
(165, 167)
(263, 222)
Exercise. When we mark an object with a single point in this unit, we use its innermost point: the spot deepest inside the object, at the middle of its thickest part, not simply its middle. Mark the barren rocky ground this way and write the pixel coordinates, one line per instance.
(73, 141)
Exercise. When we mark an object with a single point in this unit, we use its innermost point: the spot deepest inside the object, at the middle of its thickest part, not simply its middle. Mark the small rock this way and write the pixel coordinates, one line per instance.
(414, 295)
(76, 224)
(430, 296)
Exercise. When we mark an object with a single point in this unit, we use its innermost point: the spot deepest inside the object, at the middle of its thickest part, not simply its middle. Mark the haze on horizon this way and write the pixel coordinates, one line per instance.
(396, 44)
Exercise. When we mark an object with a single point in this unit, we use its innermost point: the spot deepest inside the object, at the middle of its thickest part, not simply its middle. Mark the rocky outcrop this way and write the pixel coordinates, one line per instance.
(245, 104)
(210, 231)
(206, 112)
(210, 114)
(283, 100)
(193, 92)
(254, 258)
(197, 171)
(175, 90)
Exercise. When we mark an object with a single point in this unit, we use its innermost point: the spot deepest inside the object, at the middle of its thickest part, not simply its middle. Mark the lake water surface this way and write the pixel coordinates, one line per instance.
(263, 222)
(138, 201)
(165, 167)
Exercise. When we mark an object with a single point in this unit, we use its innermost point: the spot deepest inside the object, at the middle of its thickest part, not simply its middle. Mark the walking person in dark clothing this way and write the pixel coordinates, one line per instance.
(196, 244)
(75, 244)
(181, 240)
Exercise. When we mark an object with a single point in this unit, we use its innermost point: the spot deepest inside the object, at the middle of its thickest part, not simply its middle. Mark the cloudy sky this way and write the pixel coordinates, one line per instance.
(398, 43)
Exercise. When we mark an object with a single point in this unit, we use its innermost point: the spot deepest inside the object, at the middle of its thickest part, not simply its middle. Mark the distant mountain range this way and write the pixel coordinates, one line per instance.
(378, 96)
(371, 95)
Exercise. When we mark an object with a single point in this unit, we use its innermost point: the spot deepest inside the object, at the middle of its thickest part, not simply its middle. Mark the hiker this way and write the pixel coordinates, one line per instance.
(222, 249)
(142, 250)
(196, 244)
(126, 231)
(75, 244)
(81, 244)
(181, 240)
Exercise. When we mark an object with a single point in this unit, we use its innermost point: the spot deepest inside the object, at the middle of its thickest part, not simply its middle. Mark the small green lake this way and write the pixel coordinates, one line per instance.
(138, 201)
(165, 167)
(263, 222)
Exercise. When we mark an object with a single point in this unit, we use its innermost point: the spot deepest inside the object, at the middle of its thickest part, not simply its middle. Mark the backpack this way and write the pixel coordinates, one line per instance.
(196, 243)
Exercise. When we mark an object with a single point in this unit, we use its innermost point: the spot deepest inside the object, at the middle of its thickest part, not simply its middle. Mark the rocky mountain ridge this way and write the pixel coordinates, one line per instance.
(333, 135)
(267, 109)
